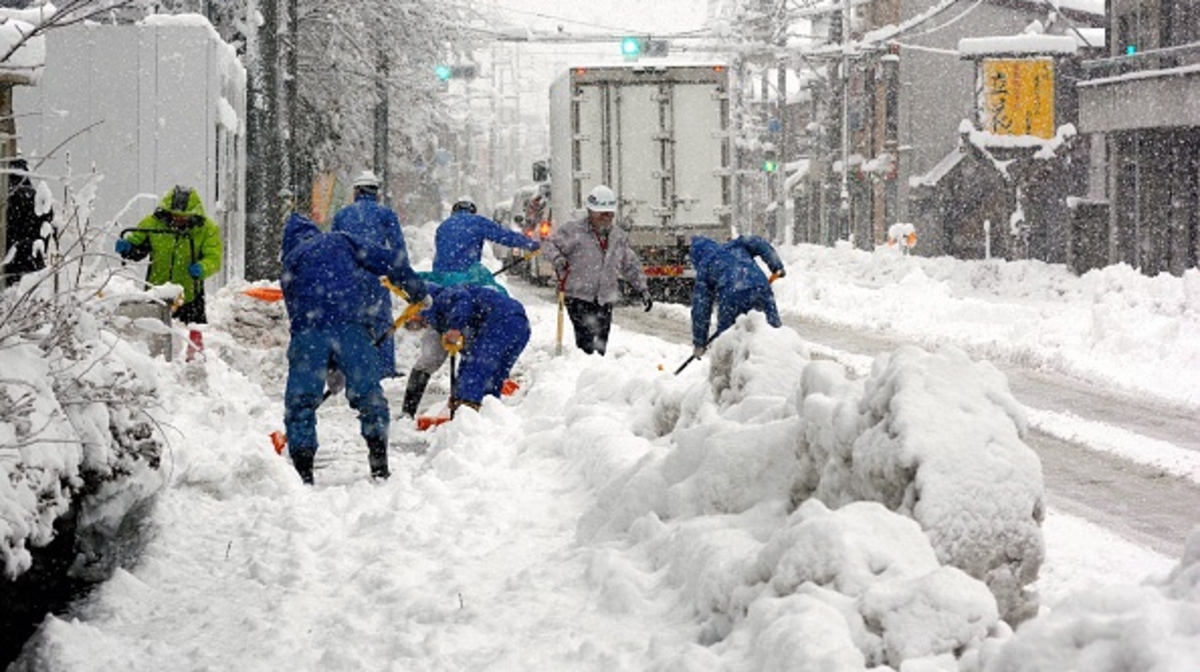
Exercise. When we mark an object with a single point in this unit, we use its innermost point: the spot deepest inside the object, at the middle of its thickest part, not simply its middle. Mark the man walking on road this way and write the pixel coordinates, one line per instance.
(728, 273)
(378, 225)
(589, 256)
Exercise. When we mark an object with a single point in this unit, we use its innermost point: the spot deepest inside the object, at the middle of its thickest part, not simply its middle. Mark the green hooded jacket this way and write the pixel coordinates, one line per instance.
(174, 247)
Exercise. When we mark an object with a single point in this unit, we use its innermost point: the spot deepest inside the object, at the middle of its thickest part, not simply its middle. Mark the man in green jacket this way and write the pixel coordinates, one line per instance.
(184, 246)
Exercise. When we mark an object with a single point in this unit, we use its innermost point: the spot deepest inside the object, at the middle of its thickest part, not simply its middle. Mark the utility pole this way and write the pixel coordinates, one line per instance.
(781, 219)
(845, 195)
(291, 87)
(380, 161)
(770, 177)
(8, 147)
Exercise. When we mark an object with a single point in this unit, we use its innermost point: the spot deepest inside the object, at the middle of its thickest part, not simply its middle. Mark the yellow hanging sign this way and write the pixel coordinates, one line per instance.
(1018, 97)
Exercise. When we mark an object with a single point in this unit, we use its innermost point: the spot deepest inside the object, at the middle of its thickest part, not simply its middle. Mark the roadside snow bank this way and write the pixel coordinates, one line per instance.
(1154, 627)
(746, 526)
(73, 427)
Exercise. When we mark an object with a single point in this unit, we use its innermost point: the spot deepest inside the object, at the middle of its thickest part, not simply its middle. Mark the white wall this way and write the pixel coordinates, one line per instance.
(140, 106)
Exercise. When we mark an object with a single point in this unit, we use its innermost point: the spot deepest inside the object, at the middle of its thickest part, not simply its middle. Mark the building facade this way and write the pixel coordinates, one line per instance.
(1143, 103)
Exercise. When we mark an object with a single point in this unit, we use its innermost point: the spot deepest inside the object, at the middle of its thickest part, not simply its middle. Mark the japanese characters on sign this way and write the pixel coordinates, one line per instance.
(1018, 97)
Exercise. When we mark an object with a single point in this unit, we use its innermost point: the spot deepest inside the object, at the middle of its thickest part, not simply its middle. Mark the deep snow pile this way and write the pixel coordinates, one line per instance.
(74, 428)
(769, 429)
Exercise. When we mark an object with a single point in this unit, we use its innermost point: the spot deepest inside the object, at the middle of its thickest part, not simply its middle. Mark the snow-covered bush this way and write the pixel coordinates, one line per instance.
(74, 435)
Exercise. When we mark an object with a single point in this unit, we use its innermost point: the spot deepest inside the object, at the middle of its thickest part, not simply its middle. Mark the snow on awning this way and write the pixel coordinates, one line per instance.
(24, 56)
(1027, 44)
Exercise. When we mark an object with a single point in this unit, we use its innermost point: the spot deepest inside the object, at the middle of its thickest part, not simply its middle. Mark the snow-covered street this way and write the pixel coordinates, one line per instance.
(610, 515)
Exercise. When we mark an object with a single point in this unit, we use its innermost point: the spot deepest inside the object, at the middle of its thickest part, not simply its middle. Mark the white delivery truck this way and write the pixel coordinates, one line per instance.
(660, 137)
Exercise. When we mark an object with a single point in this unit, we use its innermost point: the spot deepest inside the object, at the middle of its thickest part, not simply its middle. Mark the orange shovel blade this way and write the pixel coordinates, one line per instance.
(428, 422)
(264, 293)
(279, 441)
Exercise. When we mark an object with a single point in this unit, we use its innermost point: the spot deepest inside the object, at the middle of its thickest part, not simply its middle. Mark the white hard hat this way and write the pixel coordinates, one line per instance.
(602, 199)
(366, 178)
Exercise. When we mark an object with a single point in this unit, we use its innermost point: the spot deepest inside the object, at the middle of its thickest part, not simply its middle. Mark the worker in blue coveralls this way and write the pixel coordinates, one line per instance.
(377, 224)
(331, 327)
(727, 272)
(488, 327)
(458, 247)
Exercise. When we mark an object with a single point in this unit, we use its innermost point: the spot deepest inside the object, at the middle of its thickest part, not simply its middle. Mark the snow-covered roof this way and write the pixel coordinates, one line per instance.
(939, 171)
(1088, 37)
(24, 56)
(1018, 44)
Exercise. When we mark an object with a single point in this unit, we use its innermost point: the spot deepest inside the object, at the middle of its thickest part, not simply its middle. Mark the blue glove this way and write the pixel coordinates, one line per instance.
(196, 270)
(535, 247)
(124, 247)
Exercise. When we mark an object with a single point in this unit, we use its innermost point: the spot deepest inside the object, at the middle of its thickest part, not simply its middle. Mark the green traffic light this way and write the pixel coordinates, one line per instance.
(770, 166)
(443, 72)
(631, 46)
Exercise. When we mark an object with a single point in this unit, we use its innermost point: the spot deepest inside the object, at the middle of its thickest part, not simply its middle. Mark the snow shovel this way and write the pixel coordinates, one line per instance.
(426, 422)
(516, 262)
(409, 313)
(562, 300)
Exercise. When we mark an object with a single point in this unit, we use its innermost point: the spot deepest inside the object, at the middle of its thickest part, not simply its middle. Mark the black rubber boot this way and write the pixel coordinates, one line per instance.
(377, 457)
(417, 382)
(303, 462)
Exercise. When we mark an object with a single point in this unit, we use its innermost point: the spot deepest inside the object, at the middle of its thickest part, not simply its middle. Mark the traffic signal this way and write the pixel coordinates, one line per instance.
(632, 47)
(448, 72)
(836, 27)
(770, 162)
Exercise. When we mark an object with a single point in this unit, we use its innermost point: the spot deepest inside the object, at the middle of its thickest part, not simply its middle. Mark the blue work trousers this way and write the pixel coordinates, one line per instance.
(349, 349)
(488, 359)
(743, 301)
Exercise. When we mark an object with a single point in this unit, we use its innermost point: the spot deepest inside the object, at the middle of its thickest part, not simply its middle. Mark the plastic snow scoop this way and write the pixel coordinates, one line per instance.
(426, 422)
(264, 293)
(689, 360)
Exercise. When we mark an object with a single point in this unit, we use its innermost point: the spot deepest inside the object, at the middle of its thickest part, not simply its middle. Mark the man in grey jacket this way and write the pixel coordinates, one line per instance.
(589, 255)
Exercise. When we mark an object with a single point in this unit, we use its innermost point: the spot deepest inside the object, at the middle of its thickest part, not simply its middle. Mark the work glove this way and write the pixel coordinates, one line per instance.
(535, 247)
(162, 215)
(196, 270)
(560, 266)
(452, 341)
(124, 247)
(699, 351)
(647, 301)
